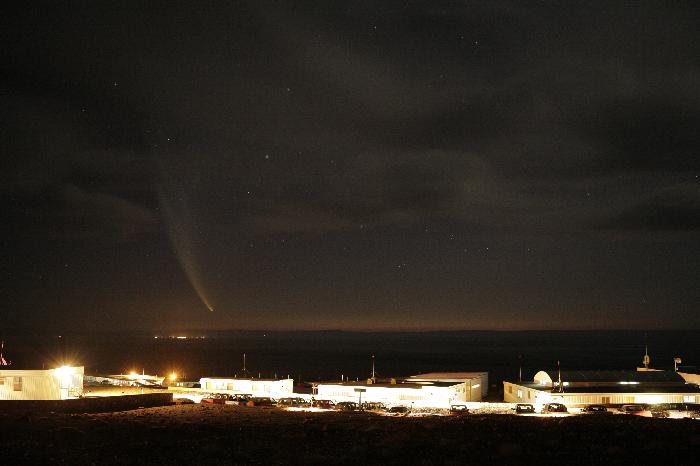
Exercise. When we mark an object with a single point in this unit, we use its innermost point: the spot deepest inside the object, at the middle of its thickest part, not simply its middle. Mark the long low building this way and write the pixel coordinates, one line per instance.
(256, 387)
(602, 387)
(476, 381)
(433, 390)
(52, 384)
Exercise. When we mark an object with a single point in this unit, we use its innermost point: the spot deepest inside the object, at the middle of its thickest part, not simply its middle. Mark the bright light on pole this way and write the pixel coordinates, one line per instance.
(63, 371)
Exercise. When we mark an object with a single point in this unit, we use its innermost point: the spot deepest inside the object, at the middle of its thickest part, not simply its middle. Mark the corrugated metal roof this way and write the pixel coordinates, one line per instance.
(239, 379)
(616, 376)
(447, 376)
(631, 389)
(390, 385)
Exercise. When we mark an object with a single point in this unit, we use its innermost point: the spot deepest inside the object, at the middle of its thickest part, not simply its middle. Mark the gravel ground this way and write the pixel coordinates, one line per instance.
(213, 434)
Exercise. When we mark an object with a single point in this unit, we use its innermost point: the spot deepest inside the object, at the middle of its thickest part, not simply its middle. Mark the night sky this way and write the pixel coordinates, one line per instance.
(349, 165)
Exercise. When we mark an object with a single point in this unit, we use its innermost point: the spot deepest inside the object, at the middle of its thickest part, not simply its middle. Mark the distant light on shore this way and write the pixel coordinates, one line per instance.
(179, 337)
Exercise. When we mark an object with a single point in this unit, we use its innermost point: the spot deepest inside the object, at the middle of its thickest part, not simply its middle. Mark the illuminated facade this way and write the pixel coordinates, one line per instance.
(602, 387)
(257, 387)
(433, 390)
(53, 384)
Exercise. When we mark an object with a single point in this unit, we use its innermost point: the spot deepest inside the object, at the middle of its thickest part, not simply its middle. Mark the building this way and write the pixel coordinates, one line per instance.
(690, 377)
(433, 390)
(691, 374)
(274, 388)
(132, 379)
(53, 384)
(477, 381)
(602, 387)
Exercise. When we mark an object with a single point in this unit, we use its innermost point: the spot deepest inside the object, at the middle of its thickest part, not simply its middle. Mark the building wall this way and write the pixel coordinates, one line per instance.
(471, 390)
(255, 387)
(50, 384)
(484, 381)
(514, 393)
(690, 378)
(428, 396)
(478, 380)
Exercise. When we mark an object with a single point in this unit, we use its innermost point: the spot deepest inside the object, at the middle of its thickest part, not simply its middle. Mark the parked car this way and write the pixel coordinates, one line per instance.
(373, 406)
(323, 404)
(261, 401)
(632, 409)
(595, 409)
(399, 410)
(659, 413)
(459, 410)
(291, 402)
(524, 408)
(346, 406)
(554, 408)
(237, 399)
(213, 398)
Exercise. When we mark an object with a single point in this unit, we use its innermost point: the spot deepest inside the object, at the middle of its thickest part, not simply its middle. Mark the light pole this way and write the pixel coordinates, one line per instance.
(359, 391)
(676, 361)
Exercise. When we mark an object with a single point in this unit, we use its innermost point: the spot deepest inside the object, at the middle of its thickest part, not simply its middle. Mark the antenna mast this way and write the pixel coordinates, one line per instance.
(646, 360)
(561, 386)
(520, 368)
(3, 361)
(374, 378)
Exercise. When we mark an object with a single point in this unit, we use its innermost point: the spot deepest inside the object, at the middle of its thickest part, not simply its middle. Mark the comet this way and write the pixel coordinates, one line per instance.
(179, 217)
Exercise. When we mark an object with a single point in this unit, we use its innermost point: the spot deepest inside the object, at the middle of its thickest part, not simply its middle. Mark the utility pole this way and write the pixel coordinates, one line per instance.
(561, 385)
(520, 368)
(3, 361)
(646, 360)
(374, 378)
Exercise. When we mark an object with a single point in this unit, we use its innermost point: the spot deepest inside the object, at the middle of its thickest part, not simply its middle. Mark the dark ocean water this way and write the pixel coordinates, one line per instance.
(314, 356)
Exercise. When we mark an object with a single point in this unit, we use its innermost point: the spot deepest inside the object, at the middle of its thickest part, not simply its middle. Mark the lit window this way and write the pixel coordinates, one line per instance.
(520, 393)
(17, 384)
(689, 398)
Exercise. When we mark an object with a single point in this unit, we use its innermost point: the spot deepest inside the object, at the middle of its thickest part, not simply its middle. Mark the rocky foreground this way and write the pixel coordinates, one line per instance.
(214, 434)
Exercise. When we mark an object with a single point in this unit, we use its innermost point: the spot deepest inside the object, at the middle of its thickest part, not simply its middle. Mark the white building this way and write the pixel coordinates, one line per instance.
(257, 387)
(434, 390)
(689, 377)
(602, 387)
(53, 384)
(476, 381)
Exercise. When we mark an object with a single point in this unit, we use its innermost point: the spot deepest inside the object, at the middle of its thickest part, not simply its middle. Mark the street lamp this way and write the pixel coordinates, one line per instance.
(360, 391)
(676, 361)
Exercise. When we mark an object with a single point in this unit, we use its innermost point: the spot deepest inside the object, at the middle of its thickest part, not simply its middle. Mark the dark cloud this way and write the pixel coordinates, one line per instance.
(370, 190)
(70, 213)
(646, 135)
(87, 215)
(676, 208)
